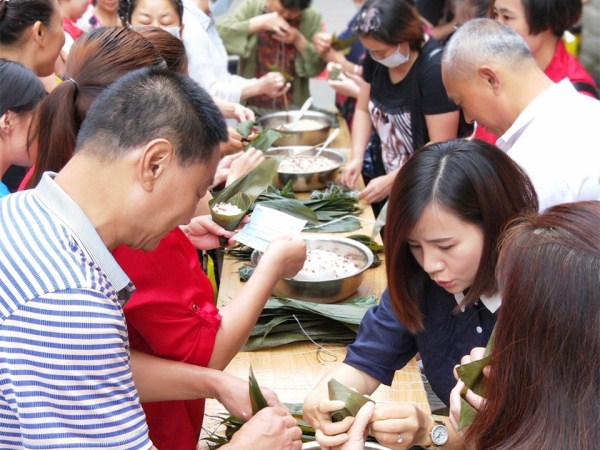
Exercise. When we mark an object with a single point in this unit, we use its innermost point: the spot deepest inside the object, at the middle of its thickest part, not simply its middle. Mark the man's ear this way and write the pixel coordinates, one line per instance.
(154, 161)
(490, 75)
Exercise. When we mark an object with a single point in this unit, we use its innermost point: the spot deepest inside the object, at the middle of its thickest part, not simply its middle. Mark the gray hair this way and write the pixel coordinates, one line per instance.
(480, 41)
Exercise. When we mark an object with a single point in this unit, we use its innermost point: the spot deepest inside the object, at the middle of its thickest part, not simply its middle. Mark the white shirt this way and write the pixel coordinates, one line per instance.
(207, 57)
(556, 140)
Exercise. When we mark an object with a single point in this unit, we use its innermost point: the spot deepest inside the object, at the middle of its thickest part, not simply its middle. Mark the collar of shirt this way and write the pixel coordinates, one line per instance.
(69, 212)
(492, 303)
(543, 103)
(191, 7)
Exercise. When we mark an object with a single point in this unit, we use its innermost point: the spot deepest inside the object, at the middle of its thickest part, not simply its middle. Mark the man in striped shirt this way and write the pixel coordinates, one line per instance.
(145, 155)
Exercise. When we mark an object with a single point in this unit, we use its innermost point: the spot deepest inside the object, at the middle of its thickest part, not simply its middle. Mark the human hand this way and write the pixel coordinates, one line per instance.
(270, 428)
(242, 114)
(204, 234)
(273, 84)
(400, 425)
(377, 189)
(288, 35)
(244, 162)
(234, 395)
(233, 144)
(269, 22)
(344, 85)
(285, 255)
(476, 401)
(317, 409)
(322, 41)
(357, 434)
(351, 172)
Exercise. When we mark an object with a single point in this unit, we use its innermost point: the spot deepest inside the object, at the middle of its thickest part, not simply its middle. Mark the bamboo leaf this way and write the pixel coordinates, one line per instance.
(471, 375)
(245, 128)
(293, 208)
(276, 68)
(352, 399)
(264, 139)
(342, 44)
(257, 399)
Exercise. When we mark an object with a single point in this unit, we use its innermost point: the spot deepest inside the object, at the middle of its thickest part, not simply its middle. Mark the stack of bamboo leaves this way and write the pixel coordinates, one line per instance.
(288, 320)
(322, 207)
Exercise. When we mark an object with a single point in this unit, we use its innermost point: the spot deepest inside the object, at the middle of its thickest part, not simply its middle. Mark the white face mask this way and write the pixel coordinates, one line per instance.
(219, 7)
(175, 31)
(393, 60)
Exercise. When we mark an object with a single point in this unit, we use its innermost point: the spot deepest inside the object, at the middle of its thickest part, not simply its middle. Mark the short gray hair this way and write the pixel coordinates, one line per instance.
(480, 41)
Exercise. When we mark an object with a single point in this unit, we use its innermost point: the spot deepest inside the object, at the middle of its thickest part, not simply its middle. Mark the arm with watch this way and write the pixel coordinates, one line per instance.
(401, 425)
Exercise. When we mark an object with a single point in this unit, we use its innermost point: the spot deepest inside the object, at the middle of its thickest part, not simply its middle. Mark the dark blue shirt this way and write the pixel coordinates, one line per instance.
(384, 345)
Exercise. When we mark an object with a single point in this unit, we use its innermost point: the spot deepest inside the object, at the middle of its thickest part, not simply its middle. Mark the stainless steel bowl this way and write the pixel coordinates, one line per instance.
(315, 136)
(326, 290)
(305, 182)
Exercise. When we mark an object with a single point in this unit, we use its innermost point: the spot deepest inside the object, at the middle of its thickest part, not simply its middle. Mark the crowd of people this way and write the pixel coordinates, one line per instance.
(469, 118)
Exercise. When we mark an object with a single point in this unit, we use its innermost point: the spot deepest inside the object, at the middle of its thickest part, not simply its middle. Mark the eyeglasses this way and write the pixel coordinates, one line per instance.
(367, 21)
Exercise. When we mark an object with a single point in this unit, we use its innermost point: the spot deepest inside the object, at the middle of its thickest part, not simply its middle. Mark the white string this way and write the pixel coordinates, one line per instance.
(321, 348)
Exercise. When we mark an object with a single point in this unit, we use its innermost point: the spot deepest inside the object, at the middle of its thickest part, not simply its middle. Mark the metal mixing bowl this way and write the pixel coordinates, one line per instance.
(315, 136)
(305, 182)
(326, 290)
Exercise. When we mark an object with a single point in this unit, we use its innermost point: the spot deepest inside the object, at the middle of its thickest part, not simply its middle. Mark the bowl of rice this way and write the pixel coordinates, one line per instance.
(333, 270)
(306, 167)
(312, 129)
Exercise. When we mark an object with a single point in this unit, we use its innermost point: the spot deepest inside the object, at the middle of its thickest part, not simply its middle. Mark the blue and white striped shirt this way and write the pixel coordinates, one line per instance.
(65, 380)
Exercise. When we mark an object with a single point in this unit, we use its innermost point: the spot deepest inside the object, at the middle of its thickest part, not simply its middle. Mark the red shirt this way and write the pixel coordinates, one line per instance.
(70, 27)
(563, 65)
(173, 315)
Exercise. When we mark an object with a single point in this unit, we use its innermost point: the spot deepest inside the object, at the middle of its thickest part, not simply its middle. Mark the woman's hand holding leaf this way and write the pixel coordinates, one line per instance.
(461, 393)
(390, 421)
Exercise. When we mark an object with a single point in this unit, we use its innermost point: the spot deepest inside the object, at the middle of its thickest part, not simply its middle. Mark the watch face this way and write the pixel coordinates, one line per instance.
(439, 435)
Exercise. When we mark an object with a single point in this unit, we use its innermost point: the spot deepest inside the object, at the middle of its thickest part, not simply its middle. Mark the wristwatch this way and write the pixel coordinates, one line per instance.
(439, 434)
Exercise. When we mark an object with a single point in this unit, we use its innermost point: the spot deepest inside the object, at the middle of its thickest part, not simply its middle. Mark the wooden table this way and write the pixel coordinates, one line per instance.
(293, 370)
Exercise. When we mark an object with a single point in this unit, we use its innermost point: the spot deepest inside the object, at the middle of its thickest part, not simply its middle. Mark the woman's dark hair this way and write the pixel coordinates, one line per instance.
(96, 60)
(390, 22)
(168, 47)
(474, 180)
(132, 4)
(16, 16)
(20, 89)
(543, 390)
(556, 15)
(295, 4)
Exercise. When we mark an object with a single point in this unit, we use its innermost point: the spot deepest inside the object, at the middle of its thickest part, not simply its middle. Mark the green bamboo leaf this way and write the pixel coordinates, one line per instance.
(293, 208)
(276, 68)
(471, 375)
(345, 225)
(231, 221)
(342, 44)
(252, 184)
(366, 240)
(245, 128)
(257, 399)
(264, 139)
(352, 399)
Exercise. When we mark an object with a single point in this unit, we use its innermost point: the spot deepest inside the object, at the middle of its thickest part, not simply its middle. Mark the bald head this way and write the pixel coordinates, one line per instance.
(485, 41)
